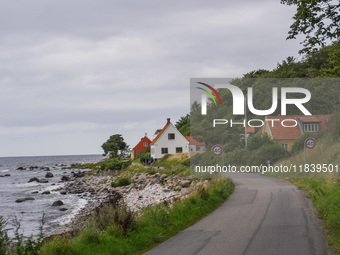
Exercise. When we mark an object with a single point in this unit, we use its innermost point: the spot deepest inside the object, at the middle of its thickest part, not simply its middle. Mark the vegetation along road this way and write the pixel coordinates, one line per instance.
(263, 216)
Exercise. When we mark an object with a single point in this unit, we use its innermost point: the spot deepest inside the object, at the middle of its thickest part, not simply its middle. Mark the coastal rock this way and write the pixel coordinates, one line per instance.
(43, 181)
(63, 209)
(65, 178)
(6, 175)
(21, 168)
(2, 175)
(186, 191)
(34, 179)
(35, 192)
(49, 175)
(63, 192)
(58, 203)
(185, 183)
(24, 199)
(178, 188)
(46, 192)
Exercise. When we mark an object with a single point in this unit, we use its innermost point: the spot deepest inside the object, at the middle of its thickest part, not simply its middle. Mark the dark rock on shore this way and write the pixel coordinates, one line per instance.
(21, 168)
(24, 199)
(58, 203)
(65, 178)
(43, 181)
(34, 179)
(46, 192)
(49, 175)
(63, 209)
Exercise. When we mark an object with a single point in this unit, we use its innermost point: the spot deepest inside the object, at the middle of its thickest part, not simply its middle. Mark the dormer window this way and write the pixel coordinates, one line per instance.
(311, 127)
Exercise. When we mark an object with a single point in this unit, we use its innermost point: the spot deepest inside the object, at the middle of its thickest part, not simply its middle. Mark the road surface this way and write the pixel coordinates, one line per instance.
(263, 216)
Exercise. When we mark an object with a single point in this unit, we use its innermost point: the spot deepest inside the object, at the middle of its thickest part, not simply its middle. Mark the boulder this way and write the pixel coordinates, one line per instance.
(185, 183)
(58, 203)
(34, 179)
(20, 168)
(43, 181)
(65, 178)
(49, 175)
(63, 209)
(63, 192)
(186, 191)
(24, 199)
(7, 175)
(46, 192)
(35, 192)
(178, 188)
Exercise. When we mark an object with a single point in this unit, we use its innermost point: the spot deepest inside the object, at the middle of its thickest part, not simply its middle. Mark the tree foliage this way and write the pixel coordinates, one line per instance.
(183, 125)
(115, 146)
(318, 20)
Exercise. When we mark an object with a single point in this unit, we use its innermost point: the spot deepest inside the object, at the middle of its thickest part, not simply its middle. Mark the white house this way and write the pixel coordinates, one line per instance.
(195, 145)
(168, 141)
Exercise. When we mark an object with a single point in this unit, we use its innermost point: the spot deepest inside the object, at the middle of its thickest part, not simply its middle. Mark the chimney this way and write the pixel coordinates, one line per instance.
(168, 121)
(146, 134)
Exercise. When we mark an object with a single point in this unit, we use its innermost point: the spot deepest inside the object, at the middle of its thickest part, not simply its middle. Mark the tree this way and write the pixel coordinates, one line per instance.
(115, 146)
(318, 20)
(183, 125)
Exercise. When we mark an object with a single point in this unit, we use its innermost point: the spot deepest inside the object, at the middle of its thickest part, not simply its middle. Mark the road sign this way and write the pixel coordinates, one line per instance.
(310, 143)
(217, 150)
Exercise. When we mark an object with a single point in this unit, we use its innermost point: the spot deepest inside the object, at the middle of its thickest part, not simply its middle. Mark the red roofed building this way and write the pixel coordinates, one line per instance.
(168, 141)
(141, 147)
(287, 129)
(195, 145)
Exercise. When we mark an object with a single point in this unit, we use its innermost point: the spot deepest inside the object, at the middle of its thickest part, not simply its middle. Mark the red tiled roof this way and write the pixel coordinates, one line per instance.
(192, 141)
(283, 133)
(310, 118)
(160, 133)
(250, 129)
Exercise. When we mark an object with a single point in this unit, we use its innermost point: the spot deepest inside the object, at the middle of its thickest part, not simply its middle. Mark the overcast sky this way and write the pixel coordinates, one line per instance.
(74, 72)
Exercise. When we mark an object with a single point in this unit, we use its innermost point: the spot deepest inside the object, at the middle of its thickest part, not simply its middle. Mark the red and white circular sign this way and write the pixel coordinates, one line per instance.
(310, 143)
(217, 150)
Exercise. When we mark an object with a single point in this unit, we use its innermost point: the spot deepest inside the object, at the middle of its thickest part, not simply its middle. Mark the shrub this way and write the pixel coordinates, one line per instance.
(123, 181)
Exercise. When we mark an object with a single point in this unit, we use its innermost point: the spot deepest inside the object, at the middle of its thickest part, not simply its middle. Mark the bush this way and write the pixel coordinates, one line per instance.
(114, 164)
(123, 181)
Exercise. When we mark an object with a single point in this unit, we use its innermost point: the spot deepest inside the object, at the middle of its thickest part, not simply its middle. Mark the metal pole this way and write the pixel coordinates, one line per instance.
(245, 120)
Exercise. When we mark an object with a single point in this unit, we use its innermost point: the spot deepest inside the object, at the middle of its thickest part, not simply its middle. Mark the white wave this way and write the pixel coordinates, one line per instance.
(67, 218)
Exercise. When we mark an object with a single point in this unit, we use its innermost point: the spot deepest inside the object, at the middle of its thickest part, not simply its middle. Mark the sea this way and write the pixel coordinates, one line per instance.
(14, 185)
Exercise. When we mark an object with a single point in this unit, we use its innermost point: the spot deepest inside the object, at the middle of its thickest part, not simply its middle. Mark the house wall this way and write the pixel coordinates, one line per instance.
(289, 142)
(164, 142)
(140, 146)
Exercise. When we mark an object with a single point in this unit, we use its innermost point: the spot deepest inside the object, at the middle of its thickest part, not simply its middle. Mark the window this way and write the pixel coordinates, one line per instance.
(179, 149)
(139, 153)
(164, 150)
(171, 136)
(145, 144)
(311, 127)
(285, 145)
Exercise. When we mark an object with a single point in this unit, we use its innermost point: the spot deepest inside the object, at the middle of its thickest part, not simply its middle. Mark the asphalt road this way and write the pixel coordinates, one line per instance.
(263, 216)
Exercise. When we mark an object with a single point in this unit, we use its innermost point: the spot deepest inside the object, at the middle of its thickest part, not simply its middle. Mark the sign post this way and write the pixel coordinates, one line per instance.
(309, 144)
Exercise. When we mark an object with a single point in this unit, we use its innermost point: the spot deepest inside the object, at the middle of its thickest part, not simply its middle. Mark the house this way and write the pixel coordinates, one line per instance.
(286, 136)
(141, 147)
(168, 141)
(195, 145)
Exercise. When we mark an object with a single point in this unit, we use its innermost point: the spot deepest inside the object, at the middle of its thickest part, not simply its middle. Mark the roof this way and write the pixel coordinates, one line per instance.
(250, 129)
(310, 118)
(192, 141)
(283, 133)
(293, 133)
(160, 133)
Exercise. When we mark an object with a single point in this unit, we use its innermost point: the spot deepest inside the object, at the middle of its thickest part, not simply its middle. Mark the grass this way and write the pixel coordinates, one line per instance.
(104, 234)
(325, 194)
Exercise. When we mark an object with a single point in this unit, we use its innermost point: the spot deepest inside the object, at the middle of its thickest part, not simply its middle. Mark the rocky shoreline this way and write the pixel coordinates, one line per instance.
(144, 190)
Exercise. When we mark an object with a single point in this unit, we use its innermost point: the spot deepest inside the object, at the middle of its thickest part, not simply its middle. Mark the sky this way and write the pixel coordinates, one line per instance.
(74, 72)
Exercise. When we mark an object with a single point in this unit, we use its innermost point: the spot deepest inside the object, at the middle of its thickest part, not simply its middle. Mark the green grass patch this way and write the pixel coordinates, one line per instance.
(118, 231)
(325, 194)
